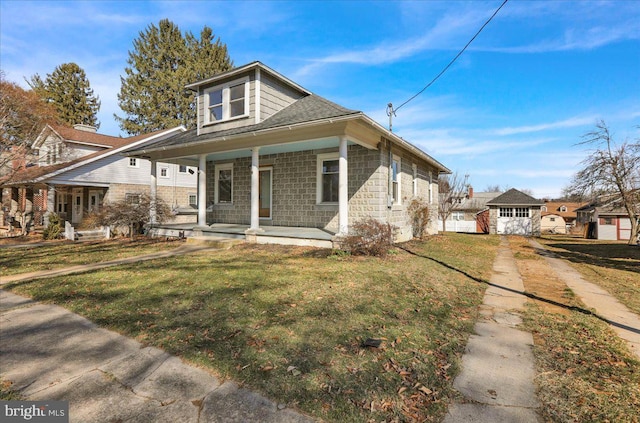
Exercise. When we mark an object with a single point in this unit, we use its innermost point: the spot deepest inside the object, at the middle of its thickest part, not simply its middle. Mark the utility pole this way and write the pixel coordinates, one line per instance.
(391, 113)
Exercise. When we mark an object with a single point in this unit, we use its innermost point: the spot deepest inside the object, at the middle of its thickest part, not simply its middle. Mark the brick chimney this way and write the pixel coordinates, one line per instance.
(470, 194)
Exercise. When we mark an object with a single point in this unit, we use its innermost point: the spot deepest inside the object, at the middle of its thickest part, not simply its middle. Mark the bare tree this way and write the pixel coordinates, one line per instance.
(452, 190)
(611, 170)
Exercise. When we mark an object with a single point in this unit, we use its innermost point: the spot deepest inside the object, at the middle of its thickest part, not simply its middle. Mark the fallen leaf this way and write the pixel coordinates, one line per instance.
(425, 390)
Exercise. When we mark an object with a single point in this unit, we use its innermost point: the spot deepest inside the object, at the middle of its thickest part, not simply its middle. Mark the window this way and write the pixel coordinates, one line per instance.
(506, 212)
(227, 101)
(193, 200)
(132, 199)
(552, 219)
(395, 175)
(430, 187)
(607, 221)
(563, 208)
(224, 184)
(414, 167)
(543, 208)
(522, 212)
(328, 178)
(457, 215)
(182, 169)
(164, 172)
(133, 162)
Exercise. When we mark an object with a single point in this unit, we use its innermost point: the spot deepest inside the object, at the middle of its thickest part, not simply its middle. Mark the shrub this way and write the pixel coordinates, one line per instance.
(369, 237)
(420, 217)
(54, 229)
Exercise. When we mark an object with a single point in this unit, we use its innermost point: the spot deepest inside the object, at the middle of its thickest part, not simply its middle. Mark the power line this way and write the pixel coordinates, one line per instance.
(391, 110)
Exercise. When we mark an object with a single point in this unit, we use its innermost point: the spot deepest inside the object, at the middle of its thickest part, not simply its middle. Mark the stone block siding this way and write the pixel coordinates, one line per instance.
(294, 190)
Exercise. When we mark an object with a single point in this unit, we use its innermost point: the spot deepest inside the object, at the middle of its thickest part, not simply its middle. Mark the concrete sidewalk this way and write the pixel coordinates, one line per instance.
(497, 377)
(625, 323)
(50, 353)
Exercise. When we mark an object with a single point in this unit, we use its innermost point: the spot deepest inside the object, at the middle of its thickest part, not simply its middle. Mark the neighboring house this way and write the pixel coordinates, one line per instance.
(604, 220)
(558, 217)
(272, 154)
(514, 213)
(467, 213)
(76, 170)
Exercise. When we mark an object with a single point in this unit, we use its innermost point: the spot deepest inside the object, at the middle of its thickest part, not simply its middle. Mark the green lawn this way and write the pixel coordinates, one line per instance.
(290, 322)
(59, 255)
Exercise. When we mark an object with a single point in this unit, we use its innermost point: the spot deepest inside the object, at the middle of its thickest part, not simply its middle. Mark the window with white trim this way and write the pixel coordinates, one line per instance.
(522, 212)
(164, 172)
(134, 162)
(414, 167)
(224, 183)
(193, 200)
(457, 215)
(132, 199)
(430, 187)
(227, 101)
(506, 212)
(182, 169)
(395, 176)
(563, 209)
(328, 177)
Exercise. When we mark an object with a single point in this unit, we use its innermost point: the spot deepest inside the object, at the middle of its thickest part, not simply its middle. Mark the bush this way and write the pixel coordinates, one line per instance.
(54, 229)
(369, 237)
(420, 217)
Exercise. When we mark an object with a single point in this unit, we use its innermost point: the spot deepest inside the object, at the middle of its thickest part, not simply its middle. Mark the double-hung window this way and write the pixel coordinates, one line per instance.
(395, 176)
(227, 101)
(328, 178)
(224, 183)
(164, 172)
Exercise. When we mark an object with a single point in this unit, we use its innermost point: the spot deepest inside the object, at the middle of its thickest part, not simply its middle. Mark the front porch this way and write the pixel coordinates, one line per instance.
(284, 235)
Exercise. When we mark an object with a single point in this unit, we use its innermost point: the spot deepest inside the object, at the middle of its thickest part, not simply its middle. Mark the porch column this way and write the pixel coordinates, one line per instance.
(51, 203)
(153, 193)
(343, 188)
(255, 190)
(202, 190)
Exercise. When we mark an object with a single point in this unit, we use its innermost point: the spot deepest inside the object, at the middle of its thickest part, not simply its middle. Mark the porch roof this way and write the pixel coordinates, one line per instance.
(307, 112)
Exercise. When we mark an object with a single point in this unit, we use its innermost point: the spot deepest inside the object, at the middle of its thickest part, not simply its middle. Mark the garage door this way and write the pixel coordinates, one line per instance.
(514, 225)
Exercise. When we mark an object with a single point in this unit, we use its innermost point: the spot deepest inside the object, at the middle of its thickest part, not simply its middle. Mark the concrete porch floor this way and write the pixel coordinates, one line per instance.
(285, 235)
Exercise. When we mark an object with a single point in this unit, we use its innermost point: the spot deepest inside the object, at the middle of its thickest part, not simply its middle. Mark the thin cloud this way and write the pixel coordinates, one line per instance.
(567, 123)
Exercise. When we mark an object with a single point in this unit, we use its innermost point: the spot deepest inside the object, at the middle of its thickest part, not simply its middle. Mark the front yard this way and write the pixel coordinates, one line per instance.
(291, 322)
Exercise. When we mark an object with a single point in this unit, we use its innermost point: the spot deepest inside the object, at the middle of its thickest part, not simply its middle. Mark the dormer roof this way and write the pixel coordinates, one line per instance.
(242, 69)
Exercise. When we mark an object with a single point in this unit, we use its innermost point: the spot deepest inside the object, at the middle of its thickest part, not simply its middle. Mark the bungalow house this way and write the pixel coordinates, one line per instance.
(558, 217)
(75, 170)
(604, 220)
(277, 162)
(514, 213)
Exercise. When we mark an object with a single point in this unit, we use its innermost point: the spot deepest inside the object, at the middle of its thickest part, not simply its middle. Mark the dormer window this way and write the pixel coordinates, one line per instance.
(227, 101)
(563, 208)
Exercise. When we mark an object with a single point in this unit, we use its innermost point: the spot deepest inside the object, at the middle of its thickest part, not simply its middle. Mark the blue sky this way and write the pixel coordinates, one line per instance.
(509, 112)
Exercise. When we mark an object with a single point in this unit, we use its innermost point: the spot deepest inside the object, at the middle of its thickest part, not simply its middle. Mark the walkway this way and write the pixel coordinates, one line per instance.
(498, 366)
(625, 323)
(50, 353)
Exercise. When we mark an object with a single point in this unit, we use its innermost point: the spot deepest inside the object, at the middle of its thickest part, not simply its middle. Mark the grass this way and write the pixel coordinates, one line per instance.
(291, 322)
(59, 255)
(585, 372)
(612, 265)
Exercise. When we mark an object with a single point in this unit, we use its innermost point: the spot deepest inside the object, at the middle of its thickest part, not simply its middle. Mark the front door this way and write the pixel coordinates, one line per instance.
(76, 214)
(265, 193)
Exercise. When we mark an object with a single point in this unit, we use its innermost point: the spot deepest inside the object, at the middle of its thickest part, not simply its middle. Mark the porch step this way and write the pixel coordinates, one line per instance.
(86, 236)
(214, 241)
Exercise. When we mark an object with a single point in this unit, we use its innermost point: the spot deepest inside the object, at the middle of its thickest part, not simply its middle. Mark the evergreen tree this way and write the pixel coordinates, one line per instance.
(70, 92)
(153, 94)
